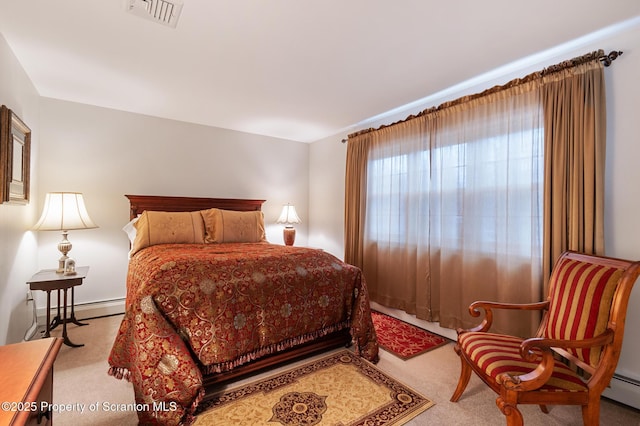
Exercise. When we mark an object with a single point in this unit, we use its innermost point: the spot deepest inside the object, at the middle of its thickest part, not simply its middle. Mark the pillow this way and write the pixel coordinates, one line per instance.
(130, 230)
(229, 226)
(167, 228)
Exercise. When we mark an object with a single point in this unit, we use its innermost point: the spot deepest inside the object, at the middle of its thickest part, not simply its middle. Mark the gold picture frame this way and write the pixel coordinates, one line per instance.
(15, 158)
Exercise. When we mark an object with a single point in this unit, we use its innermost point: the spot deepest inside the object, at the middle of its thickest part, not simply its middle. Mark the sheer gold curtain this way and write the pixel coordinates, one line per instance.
(473, 199)
(396, 231)
(486, 209)
(451, 207)
(575, 116)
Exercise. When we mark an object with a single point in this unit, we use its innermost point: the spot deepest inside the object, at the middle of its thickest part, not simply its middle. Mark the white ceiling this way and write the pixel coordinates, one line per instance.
(294, 69)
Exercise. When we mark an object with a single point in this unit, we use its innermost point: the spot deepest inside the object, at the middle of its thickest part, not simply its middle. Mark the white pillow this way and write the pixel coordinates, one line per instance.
(130, 230)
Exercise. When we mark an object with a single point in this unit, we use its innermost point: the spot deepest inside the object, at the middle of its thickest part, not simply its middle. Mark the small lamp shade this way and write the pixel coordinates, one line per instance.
(289, 217)
(64, 211)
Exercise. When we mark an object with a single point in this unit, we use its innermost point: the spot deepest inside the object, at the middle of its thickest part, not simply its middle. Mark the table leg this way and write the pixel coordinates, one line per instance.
(57, 320)
(73, 314)
(64, 324)
(47, 333)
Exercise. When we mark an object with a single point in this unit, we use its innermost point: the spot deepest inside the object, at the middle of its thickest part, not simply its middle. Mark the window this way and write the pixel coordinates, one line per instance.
(488, 182)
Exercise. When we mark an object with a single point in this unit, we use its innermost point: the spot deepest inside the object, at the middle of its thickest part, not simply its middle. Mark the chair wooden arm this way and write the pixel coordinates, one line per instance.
(488, 307)
(534, 379)
(538, 377)
(600, 340)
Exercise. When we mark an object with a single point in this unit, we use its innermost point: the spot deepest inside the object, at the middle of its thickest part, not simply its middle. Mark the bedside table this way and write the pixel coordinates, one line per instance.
(48, 280)
(26, 381)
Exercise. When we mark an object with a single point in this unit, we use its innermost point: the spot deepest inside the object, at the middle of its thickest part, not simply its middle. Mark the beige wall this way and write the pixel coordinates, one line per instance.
(105, 154)
(327, 161)
(17, 243)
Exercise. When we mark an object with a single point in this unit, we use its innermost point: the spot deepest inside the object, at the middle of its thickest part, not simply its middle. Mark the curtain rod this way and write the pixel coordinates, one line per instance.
(599, 55)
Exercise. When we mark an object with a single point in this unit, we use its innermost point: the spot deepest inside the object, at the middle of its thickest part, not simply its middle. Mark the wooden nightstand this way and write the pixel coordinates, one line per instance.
(48, 280)
(26, 381)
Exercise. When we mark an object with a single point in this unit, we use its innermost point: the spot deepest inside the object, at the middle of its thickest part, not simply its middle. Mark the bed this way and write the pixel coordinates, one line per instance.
(208, 302)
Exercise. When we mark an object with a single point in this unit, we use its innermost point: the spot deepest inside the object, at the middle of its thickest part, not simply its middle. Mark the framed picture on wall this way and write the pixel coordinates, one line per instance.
(15, 158)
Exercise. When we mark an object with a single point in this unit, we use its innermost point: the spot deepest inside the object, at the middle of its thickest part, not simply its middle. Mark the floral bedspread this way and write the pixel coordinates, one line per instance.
(227, 304)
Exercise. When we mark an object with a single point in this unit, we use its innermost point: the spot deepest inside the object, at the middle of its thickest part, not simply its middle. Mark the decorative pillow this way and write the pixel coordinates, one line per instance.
(167, 228)
(228, 226)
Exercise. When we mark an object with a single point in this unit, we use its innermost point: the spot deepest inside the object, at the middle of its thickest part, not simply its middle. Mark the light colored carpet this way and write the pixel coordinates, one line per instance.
(80, 377)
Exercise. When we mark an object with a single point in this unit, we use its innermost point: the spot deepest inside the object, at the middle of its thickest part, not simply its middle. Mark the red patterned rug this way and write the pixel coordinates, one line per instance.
(402, 339)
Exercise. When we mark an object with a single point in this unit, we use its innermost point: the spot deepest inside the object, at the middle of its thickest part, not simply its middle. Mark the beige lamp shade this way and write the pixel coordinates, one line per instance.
(64, 211)
(289, 217)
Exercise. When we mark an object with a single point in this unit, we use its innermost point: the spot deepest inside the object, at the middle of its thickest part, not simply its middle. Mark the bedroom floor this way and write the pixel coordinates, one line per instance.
(80, 377)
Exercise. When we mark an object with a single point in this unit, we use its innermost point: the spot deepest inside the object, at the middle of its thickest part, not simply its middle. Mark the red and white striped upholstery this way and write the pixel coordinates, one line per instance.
(580, 298)
(497, 353)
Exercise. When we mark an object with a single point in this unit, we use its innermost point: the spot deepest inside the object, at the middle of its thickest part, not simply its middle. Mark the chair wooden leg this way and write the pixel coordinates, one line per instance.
(511, 412)
(591, 412)
(544, 409)
(463, 381)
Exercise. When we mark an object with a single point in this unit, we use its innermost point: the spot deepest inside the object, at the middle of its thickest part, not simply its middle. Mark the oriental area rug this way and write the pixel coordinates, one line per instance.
(339, 389)
(402, 339)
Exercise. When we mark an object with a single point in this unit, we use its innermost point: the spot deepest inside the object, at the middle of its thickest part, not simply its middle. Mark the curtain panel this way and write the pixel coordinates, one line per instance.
(575, 118)
(355, 198)
(451, 206)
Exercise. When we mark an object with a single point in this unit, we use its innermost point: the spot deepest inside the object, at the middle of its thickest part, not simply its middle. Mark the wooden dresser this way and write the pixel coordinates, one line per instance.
(26, 381)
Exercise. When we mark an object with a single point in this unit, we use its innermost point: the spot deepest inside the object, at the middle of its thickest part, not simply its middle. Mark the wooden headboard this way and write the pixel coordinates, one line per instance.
(140, 203)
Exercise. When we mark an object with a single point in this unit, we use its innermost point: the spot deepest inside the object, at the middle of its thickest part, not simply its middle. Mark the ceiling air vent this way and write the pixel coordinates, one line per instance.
(160, 11)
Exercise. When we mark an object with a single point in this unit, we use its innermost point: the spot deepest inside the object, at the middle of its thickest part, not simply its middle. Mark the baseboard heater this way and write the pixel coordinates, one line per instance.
(101, 308)
(625, 390)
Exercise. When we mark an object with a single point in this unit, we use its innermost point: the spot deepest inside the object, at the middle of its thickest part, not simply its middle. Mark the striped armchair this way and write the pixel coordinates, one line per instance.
(574, 354)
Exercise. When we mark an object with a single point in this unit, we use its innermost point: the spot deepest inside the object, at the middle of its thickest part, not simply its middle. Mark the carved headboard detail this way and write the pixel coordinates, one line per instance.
(140, 203)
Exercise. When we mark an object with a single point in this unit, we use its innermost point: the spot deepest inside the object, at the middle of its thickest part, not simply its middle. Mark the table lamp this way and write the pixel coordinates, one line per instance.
(64, 211)
(289, 217)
